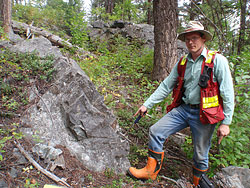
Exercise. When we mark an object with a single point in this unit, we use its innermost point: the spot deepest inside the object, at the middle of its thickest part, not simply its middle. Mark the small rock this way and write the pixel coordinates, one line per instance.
(46, 152)
(98, 24)
(20, 158)
(3, 184)
(59, 162)
(13, 172)
(233, 177)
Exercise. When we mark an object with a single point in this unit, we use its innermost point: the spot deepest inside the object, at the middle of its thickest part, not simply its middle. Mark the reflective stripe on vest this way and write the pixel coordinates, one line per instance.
(209, 102)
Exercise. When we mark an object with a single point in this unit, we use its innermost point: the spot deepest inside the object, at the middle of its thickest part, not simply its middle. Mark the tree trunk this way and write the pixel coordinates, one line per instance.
(149, 12)
(5, 9)
(242, 25)
(109, 6)
(165, 26)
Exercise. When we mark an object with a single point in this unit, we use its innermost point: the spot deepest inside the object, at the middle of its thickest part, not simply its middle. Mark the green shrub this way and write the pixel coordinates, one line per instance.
(16, 72)
(234, 149)
(77, 27)
(2, 33)
(7, 134)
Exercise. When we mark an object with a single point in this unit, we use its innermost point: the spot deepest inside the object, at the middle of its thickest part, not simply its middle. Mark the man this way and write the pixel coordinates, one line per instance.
(189, 111)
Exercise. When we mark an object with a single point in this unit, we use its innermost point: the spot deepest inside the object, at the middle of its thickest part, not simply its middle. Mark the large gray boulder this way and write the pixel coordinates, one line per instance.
(142, 32)
(73, 114)
(42, 46)
(233, 177)
(229, 177)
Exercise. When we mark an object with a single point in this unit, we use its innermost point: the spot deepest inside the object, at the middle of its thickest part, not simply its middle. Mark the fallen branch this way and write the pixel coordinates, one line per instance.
(182, 183)
(41, 169)
(124, 136)
(177, 158)
(31, 31)
(169, 179)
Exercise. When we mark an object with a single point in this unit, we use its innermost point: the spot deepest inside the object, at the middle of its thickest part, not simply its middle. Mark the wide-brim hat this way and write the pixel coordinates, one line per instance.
(195, 26)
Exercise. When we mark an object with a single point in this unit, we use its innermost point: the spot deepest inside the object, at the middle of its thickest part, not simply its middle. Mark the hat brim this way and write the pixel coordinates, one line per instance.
(208, 35)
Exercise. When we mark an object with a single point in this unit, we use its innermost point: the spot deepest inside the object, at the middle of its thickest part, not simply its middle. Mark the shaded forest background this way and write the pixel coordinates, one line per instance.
(126, 74)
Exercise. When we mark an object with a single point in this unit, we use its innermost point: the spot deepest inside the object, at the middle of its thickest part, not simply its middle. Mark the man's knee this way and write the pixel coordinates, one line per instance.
(153, 131)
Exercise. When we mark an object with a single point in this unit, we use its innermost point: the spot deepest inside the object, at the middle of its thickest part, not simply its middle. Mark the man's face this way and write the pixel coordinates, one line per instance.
(194, 42)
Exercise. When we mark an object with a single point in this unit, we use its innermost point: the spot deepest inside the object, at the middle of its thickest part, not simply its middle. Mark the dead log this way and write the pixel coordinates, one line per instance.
(23, 28)
(30, 31)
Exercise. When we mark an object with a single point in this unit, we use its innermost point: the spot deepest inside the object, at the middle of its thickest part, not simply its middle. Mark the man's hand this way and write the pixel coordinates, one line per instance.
(222, 131)
(142, 111)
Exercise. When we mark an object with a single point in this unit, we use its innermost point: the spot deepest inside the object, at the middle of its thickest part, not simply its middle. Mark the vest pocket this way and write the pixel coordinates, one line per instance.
(211, 111)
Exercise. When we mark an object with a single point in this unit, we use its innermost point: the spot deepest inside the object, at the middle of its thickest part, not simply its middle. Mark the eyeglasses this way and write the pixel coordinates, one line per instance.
(193, 39)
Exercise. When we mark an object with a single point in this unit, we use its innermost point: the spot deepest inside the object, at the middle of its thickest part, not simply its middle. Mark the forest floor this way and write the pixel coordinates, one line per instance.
(14, 173)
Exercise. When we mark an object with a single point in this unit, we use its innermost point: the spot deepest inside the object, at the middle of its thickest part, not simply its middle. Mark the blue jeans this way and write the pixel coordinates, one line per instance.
(176, 120)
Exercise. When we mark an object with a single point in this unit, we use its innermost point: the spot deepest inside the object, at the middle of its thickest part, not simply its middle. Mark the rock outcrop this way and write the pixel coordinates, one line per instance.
(142, 32)
(233, 177)
(72, 113)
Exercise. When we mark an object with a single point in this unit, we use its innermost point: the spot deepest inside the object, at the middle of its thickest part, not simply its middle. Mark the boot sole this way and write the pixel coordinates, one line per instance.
(132, 176)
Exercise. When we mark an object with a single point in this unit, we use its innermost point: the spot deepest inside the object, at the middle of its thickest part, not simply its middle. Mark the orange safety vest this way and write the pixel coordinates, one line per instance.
(211, 104)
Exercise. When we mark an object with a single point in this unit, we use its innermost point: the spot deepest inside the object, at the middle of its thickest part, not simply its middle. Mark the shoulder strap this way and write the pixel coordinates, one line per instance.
(210, 58)
(206, 77)
(182, 65)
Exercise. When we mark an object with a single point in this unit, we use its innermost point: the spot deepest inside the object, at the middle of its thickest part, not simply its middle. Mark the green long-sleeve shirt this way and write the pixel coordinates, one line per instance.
(222, 74)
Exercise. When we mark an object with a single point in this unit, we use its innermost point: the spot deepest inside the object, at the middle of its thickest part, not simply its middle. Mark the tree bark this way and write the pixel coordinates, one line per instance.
(242, 25)
(165, 26)
(109, 6)
(5, 17)
(149, 12)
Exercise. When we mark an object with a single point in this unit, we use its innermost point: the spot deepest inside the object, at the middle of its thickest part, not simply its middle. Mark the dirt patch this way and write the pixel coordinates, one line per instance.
(17, 173)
